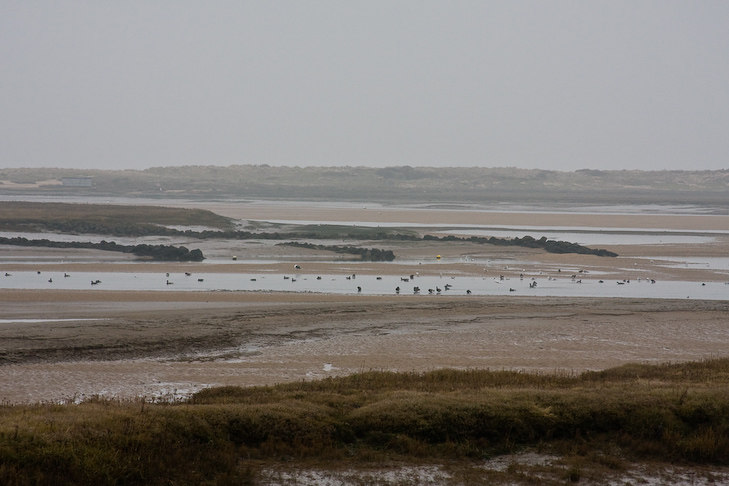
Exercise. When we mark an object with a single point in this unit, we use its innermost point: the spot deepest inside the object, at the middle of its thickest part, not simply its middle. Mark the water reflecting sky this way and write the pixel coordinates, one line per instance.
(366, 284)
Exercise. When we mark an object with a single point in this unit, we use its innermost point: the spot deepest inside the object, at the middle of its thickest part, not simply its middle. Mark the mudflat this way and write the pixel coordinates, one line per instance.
(65, 345)
(166, 344)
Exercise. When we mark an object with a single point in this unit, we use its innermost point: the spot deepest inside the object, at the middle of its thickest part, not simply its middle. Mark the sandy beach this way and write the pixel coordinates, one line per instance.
(66, 345)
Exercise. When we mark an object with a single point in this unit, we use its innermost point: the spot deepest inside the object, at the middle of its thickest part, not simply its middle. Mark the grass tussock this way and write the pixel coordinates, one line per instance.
(675, 413)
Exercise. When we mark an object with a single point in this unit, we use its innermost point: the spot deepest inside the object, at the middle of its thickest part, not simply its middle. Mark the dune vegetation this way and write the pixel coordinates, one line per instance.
(669, 413)
(105, 219)
(404, 184)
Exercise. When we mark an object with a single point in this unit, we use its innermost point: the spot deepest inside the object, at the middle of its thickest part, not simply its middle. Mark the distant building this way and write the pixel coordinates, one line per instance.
(77, 181)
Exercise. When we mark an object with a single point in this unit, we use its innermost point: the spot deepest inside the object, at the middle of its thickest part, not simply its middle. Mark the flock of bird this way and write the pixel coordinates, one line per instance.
(398, 289)
(416, 289)
(409, 279)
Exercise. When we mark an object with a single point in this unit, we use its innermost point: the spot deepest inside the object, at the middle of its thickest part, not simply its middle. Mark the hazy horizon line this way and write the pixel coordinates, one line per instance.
(439, 167)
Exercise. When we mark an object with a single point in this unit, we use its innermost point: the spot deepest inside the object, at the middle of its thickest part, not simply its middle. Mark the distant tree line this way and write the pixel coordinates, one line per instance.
(166, 253)
(373, 254)
(366, 254)
(550, 246)
(462, 185)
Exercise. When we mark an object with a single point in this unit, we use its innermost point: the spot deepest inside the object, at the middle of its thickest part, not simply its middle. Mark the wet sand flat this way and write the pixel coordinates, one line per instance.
(165, 344)
(426, 216)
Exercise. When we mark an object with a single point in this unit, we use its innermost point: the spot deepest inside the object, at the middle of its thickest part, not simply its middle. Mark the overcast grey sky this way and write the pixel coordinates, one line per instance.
(560, 85)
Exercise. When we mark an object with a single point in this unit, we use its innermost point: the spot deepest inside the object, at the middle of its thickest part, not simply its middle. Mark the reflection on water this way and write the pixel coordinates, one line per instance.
(429, 286)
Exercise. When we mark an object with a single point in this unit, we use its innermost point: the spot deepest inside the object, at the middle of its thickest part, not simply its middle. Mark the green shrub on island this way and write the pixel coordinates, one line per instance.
(166, 253)
(550, 246)
(365, 254)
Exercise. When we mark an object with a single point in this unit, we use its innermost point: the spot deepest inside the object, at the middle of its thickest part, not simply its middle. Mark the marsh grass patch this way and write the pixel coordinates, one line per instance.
(595, 423)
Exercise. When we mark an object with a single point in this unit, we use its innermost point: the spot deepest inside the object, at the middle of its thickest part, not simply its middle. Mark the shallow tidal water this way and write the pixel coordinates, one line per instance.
(428, 286)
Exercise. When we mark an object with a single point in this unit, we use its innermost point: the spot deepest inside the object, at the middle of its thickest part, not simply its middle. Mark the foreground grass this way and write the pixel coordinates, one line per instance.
(676, 413)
